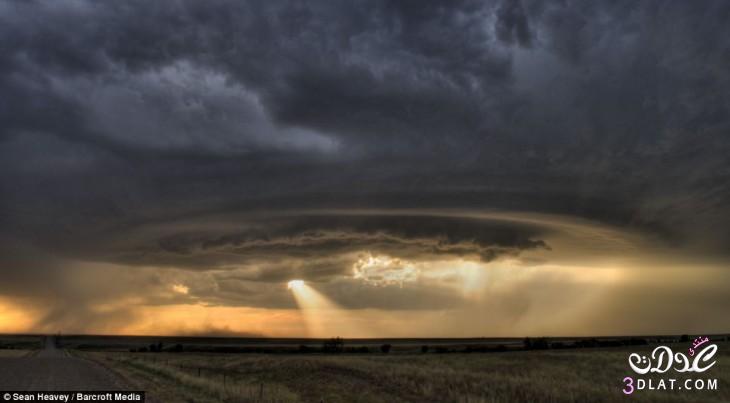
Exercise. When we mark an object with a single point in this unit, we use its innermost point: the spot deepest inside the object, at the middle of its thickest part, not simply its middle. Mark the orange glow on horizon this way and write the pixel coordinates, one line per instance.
(14, 318)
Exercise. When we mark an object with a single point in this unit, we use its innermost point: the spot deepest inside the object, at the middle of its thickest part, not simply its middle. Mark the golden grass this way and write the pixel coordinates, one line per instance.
(583, 375)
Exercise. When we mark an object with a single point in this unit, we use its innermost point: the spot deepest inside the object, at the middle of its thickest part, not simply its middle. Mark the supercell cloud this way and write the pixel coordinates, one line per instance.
(419, 163)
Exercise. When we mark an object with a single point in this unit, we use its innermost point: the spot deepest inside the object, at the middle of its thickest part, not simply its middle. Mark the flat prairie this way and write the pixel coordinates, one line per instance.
(553, 375)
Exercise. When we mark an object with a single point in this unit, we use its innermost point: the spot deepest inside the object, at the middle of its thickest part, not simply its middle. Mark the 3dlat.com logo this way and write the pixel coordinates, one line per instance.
(662, 359)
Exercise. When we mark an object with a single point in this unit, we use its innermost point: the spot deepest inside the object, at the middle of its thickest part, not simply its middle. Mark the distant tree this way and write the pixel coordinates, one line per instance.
(540, 344)
(424, 349)
(142, 349)
(385, 348)
(159, 346)
(333, 345)
(178, 348)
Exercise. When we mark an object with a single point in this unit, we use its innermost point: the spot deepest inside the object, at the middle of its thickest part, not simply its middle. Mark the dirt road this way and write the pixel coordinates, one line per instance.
(53, 369)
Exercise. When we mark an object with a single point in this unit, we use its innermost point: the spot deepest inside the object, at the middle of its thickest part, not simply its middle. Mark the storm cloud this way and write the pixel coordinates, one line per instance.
(231, 146)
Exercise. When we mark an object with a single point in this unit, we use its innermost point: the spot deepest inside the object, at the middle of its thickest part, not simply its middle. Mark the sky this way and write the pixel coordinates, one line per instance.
(428, 169)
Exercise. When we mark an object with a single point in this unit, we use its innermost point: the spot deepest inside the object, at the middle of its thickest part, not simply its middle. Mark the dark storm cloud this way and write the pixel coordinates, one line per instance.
(274, 248)
(377, 69)
(312, 236)
(512, 24)
(68, 294)
(117, 117)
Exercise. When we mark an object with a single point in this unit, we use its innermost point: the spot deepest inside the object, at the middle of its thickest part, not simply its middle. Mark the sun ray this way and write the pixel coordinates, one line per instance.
(322, 316)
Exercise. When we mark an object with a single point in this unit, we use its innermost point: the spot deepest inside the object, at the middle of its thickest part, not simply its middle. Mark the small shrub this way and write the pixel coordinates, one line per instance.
(424, 349)
(333, 345)
(385, 348)
(540, 344)
(156, 348)
(536, 344)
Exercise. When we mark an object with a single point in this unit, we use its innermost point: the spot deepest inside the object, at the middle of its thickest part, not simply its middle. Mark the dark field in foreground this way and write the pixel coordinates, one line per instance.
(404, 374)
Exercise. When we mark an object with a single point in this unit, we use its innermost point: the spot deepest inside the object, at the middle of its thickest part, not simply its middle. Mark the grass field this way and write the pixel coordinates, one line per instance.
(14, 353)
(569, 375)
(18, 345)
(19, 342)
